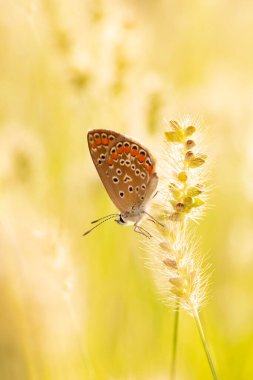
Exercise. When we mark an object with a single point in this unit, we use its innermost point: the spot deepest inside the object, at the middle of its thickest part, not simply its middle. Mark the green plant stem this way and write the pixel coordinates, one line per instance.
(204, 342)
(174, 342)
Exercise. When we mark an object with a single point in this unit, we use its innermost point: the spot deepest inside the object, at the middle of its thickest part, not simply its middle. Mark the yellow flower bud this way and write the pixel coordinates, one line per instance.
(196, 162)
(189, 156)
(180, 207)
(190, 130)
(170, 263)
(188, 201)
(176, 281)
(182, 176)
(193, 191)
(189, 144)
(176, 137)
(165, 246)
(198, 202)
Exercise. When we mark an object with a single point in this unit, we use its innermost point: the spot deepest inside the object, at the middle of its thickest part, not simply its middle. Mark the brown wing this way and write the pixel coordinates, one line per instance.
(124, 166)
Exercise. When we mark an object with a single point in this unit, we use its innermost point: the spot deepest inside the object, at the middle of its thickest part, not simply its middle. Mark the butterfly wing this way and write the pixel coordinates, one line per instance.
(126, 168)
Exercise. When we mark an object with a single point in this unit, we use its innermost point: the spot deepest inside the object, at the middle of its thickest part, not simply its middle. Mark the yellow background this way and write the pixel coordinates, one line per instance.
(84, 308)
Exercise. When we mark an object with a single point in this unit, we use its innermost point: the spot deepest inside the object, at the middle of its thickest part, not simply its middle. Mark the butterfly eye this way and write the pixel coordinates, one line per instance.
(121, 220)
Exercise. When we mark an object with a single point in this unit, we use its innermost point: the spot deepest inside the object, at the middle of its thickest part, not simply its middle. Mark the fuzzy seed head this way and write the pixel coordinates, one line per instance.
(174, 257)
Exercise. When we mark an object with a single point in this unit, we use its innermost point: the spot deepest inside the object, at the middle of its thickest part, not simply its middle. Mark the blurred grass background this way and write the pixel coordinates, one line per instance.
(86, 308)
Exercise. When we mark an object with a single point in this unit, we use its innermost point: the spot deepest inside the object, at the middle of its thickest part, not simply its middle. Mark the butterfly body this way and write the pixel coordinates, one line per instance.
(127, 171)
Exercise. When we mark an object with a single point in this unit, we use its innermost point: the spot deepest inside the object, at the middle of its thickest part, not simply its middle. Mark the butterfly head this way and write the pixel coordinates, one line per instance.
(121, 220)
(133, 216)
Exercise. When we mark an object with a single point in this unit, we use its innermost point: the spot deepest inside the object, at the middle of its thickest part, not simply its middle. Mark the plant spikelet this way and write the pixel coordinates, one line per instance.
(174, 256)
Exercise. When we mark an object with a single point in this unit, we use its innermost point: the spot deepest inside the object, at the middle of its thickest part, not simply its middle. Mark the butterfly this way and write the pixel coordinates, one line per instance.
(128, 172)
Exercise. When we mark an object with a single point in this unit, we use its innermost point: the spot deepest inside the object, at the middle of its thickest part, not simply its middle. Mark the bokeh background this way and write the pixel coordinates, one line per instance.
(87, 308)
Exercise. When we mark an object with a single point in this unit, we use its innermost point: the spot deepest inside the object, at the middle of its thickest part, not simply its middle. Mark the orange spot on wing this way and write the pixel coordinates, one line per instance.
(115, 156)
(127, 149)
(110, 161)
(93, 145)
(120, 150)
(134, 152)
(105, 141)
(98, 141)
(148, 168)
(141, 157)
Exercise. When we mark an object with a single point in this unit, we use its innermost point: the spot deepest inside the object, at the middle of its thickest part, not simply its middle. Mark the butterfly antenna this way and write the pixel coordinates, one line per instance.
(104, 217)
(105, 220)
(153, 219)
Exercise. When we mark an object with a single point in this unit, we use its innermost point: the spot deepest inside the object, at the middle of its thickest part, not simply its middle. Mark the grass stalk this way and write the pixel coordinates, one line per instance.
(204, 343)
(174, 342)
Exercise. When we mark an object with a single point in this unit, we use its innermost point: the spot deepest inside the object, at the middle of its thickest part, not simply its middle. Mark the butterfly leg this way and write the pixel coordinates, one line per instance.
(153, 219)
(142, 231)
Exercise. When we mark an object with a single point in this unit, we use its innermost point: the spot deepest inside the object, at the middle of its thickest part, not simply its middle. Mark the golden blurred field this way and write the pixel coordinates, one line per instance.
(87, 308)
